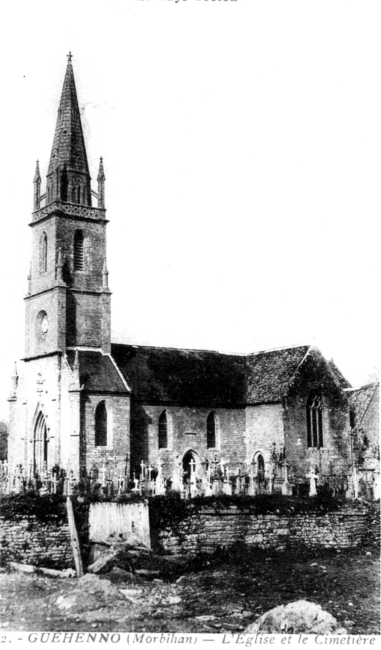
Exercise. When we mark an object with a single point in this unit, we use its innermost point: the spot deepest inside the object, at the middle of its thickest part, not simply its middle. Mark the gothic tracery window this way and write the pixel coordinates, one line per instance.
(314, 420)
(101, 425)
(163, 430)
(78, 251)
(211, 430)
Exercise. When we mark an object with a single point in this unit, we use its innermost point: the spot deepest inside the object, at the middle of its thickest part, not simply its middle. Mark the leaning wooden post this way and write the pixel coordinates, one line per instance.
(74, 538)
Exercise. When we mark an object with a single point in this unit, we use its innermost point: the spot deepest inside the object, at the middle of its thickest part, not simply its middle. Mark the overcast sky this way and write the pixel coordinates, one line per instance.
(241, 142)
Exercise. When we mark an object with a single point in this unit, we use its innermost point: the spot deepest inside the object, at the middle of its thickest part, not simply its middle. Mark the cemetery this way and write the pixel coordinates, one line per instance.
(142, 482)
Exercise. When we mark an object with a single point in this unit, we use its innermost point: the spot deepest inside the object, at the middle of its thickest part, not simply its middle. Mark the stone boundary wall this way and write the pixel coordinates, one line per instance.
(373, 533)
(207, 529)
(30, 541)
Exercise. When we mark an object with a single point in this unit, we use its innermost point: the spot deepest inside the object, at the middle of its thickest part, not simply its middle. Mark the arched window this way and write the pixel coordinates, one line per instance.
(260, 467)
(314, 420)
(211, 430)
(78, 251)
(163, 430)
(43, 253)
(101, 425)
(40, 445)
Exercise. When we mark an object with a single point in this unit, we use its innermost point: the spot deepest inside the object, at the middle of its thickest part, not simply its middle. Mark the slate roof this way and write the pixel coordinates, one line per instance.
(269, 373)
(97, 372)
(182, 376)
(68, 144)
(344, 383)
(195, 377)
(360, 398)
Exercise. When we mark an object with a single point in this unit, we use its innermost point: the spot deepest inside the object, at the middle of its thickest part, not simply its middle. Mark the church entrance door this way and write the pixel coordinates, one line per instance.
(40, 444)
(190, 465)
(190, 469)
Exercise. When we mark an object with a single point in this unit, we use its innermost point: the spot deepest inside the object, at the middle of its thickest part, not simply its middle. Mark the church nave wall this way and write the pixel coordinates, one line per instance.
(186, 430)
(113, 448)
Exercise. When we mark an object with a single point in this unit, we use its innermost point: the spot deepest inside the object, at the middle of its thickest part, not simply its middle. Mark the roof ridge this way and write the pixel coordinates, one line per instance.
(162, 347)
(285, 347)
(235, 354)
(364, 386)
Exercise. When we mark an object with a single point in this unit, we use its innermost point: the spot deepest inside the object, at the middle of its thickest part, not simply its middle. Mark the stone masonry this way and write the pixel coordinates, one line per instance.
(32, 542)
(207, 530)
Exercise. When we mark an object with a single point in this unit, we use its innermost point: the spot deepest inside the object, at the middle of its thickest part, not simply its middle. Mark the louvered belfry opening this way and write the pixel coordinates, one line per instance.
(78, 251)
(43, 253)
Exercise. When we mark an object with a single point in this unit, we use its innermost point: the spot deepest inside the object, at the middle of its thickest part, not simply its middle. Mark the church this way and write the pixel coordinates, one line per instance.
(79, 401)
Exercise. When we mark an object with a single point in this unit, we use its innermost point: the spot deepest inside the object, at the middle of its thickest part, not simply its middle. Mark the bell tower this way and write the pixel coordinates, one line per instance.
(69, 403)
(68, 300)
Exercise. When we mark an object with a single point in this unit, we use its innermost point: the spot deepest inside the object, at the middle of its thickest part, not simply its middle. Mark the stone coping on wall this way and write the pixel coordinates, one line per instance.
(236, 510)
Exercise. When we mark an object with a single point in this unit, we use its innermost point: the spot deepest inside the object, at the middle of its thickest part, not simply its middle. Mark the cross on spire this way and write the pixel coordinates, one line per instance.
(69, 57)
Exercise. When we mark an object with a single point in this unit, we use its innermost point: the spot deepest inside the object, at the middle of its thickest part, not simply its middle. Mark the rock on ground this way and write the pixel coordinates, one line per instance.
(300, 616)
(90, 593)
(117, 575)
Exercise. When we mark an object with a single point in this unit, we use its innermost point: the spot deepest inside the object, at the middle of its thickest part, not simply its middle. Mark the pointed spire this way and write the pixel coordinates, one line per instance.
(101, 184)
(101, 174)
(37, 176)
(68, 172)
(37, 187)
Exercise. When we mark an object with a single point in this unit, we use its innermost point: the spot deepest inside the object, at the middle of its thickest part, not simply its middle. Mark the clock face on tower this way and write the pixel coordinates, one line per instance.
(44, 324)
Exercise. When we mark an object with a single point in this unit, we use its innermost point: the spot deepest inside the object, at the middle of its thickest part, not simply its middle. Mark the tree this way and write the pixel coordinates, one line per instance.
(3, 440)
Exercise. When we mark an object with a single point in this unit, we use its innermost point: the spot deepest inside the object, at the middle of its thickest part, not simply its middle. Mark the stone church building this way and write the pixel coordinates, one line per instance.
(80, 401)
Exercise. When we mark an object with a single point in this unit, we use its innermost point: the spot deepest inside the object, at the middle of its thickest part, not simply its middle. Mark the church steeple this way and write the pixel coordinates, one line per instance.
(68, 299)
(68, 177)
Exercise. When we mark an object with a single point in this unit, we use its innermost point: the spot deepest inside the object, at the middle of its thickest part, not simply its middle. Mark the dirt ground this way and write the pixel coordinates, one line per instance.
(220, 594)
